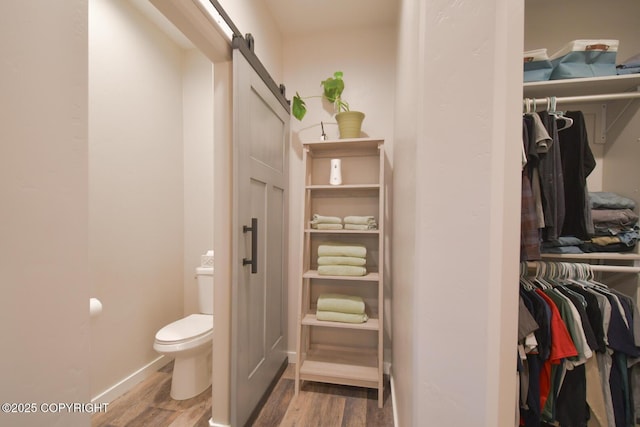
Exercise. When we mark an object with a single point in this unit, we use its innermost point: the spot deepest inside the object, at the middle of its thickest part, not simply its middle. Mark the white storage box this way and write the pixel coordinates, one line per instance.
(537, 65)
(585, 58)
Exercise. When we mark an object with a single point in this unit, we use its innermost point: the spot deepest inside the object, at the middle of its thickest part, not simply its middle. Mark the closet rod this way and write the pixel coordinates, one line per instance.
(541, 103)
(615, 268)
(603, 268)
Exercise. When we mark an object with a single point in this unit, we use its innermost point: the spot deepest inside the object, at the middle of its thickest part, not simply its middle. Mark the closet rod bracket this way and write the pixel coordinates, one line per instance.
(624, 109)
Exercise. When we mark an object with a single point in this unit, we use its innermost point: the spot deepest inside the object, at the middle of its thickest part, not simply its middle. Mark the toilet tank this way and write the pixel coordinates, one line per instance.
(205, 289)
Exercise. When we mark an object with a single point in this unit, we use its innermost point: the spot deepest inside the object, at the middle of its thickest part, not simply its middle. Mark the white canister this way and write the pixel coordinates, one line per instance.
(335, 178)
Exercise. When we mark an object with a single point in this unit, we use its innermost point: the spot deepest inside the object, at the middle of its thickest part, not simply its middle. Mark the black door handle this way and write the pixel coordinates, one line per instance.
(254, 245)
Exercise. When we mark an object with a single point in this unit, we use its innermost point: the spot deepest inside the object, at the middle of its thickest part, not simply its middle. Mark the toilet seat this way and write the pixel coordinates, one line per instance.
(187, 329)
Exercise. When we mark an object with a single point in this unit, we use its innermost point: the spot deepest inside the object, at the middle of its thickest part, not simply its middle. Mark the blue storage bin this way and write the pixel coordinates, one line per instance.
(585, 58)
(537, 65)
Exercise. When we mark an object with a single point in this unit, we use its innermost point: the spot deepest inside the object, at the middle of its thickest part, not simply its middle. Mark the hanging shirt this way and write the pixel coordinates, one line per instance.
(562, 347)
(529, 233)
(551, 182)
(577, 163)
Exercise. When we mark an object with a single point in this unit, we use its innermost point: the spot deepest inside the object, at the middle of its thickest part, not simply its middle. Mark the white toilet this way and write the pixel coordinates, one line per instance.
(189, 341)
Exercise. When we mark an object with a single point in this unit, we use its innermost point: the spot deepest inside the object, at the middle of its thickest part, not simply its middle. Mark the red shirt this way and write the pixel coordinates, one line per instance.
(561, 347)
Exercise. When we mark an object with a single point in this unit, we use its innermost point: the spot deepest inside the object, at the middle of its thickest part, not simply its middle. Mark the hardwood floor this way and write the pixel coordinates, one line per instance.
(317, 405)
(149, 404)
(324, 405)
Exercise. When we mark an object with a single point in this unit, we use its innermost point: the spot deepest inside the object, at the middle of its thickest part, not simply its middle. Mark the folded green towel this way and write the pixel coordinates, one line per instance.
(341, 270)
(341, 260)
(323, 226)
(341, 303)
(342, 250)
(319, 219)
(334, 316)
(373, 226)
(362, 220)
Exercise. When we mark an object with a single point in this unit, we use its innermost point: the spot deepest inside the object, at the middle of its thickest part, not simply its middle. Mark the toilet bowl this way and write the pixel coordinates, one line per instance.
(190, 341)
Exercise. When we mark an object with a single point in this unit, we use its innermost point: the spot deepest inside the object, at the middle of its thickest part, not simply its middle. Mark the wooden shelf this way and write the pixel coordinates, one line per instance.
(369, 277)
(584, 86)
(343, 145)
(342, 191)
(311, 320)
(336, 352)
(344, 187)
(313, 230)
(356, 367)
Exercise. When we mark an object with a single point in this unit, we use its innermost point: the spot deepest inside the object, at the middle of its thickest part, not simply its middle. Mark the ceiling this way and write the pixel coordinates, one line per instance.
(295, 17)
(305, 16)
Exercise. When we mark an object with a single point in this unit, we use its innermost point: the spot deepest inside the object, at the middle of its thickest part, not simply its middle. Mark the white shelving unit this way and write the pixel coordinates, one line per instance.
(583, 86)
(603, 90)
(334, 352)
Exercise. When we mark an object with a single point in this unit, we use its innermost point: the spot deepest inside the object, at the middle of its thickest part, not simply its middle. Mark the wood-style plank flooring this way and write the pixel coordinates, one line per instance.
(149, 404)
(317, 405)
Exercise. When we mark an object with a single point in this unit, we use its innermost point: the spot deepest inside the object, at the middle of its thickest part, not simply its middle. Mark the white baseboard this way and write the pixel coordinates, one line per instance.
(212, 424)
(126, 384)
(393, 401)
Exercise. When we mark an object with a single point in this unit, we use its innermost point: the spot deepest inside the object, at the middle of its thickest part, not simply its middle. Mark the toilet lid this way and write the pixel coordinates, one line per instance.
(186, 328)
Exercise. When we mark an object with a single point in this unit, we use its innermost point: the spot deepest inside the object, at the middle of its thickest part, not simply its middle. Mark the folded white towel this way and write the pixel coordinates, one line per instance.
(342, 250)
(341, 260)
(341, 303)
(333, 316)
(361, 227)
(362, 220)
(325, 226)
(321, 219)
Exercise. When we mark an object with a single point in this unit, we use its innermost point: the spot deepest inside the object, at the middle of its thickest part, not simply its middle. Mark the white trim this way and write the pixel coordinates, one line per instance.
(393, 401)
(129, 382)
(212, 424)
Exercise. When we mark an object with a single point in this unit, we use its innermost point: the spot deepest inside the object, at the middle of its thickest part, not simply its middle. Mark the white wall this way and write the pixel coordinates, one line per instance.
(151, 184)
(455, 288)
(197, 117)
(550, 24)
(254, 17)
(44, 319)
(403, 259)
(135, 188)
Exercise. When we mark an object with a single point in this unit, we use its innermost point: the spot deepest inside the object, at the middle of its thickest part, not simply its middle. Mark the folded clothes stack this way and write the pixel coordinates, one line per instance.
(321, 222)
(341, 308)
(614, 227)
(614, 221)
(630, 66)
(342, 260)
(360, 223)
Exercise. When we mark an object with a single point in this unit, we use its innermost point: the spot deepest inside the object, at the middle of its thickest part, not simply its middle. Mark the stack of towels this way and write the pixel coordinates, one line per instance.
(341, 308)
(342, 260)
(360, 223)
(321, 222)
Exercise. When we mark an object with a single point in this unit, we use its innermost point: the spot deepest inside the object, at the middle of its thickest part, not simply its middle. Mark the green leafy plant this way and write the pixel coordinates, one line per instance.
(332, 91)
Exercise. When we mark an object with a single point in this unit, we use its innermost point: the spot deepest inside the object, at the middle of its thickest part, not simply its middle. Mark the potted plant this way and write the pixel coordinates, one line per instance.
(349, 122)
